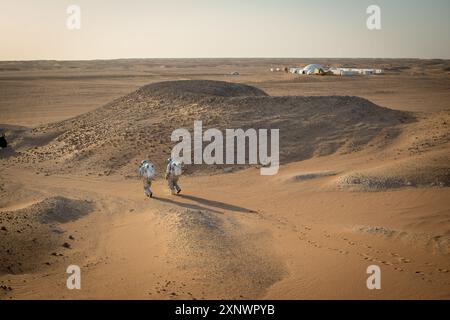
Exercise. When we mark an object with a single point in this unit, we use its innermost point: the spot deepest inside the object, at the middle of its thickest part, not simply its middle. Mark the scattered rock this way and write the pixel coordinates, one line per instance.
(6, 288)
(57, 254)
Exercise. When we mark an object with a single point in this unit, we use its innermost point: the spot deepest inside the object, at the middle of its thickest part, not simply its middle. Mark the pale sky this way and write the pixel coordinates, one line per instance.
(36, 29)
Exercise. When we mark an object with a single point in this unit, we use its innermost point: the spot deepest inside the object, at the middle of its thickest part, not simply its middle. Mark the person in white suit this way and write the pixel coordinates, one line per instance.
(173, 172)
(148, 173)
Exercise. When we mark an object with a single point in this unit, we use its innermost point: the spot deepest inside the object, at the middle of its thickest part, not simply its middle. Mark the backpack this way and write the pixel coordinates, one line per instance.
(147, 170)
(177, 168)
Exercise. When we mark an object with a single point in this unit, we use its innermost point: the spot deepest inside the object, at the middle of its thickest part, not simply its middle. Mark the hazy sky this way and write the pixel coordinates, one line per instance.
(36, 29)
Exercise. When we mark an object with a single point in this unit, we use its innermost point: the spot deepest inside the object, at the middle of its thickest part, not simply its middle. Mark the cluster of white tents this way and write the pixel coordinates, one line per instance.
(309, 69)
(354, 71)
(320, 69)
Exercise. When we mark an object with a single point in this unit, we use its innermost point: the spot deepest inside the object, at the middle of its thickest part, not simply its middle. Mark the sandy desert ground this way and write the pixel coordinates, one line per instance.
(364, 180)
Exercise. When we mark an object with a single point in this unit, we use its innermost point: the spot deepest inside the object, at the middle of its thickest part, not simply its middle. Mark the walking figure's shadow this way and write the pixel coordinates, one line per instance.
(211, 205)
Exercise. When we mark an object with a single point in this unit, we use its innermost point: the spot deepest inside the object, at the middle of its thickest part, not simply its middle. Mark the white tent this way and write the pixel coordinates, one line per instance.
(336, 71)
(349, 72)
(295, 70)
(312, 68)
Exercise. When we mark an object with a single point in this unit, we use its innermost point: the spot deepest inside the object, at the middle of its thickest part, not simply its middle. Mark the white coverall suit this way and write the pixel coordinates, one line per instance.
(147, 172)
(172, 179)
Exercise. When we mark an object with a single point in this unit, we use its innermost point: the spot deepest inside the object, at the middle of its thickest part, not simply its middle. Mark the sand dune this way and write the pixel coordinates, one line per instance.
(114, 138)
(419, 156)
(31, 234)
